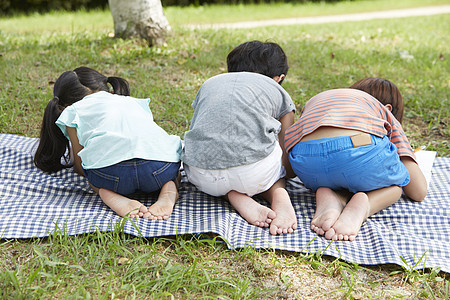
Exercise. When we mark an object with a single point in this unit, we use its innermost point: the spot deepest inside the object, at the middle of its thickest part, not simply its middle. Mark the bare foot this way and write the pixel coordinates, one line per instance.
(253, 212)
(349, 222)
(328, 209)
(163, 207)
(286, 219)
(122, 205)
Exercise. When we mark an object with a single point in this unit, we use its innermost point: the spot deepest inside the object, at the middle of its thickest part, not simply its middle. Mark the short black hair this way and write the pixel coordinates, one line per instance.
(265, 58)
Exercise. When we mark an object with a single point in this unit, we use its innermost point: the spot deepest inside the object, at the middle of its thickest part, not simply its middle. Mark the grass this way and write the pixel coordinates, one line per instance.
(115, 265)
(236, 13)
(35, 49)
(178, 16)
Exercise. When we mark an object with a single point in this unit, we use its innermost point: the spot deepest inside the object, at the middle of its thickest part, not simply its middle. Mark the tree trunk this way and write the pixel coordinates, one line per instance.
(142, 18)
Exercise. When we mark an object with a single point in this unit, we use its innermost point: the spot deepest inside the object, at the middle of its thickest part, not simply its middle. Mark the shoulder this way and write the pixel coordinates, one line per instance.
(345, 96)
(342, 93)
(241, 77)
(224, 77)
(109, 97)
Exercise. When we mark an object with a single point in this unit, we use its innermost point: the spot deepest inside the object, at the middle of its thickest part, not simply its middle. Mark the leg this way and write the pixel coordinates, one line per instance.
(329, 206)
(382, 198)
(253, 212)
(350, 220)
(358, 209)
(163, 207)
(122, 205)
(286, 219)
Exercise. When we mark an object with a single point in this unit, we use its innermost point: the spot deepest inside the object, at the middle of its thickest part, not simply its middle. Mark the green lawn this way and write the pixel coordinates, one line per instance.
(236, 13)
(177, 16)
(34, 50)
(411, 52)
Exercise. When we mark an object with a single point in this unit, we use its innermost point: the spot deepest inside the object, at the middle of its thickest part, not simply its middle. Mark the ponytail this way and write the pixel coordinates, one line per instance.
(53, 145)
(53, 152)
(120, 86)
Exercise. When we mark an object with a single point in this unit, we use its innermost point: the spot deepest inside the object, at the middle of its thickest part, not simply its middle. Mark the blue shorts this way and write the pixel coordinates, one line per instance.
(132, 175)
(335, 163)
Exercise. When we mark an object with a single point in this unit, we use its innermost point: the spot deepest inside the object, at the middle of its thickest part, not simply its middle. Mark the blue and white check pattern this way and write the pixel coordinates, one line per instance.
(36, 204)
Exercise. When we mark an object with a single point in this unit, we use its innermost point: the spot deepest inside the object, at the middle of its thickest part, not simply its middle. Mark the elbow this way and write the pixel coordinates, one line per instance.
(421, 195)
(418, 198)
(418, 194)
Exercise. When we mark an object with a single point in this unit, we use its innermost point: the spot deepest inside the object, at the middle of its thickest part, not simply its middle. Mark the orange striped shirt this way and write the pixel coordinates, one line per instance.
(349, 109)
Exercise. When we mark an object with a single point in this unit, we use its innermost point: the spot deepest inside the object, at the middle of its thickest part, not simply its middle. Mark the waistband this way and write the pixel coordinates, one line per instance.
(338, 143)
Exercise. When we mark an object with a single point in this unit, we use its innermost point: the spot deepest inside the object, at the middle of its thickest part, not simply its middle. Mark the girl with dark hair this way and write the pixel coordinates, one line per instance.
(110, 138)
(349, 148)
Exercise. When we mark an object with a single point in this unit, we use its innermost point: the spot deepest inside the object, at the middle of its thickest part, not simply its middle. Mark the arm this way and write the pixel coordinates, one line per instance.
(417, 187)
(286, 121)
(76, 147)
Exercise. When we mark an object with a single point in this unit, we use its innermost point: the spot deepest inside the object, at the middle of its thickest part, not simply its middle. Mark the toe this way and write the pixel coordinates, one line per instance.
(271, 215)
(317, 230)
(273, 229)
(330, 234)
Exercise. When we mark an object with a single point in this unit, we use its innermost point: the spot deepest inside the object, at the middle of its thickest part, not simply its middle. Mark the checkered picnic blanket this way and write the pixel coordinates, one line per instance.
(36, 204)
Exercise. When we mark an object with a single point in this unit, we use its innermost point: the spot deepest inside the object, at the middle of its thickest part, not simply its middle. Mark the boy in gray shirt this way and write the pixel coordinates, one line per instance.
(235, 144)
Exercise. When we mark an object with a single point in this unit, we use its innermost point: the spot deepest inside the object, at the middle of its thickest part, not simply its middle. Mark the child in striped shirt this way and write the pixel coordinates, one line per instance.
(349, 148)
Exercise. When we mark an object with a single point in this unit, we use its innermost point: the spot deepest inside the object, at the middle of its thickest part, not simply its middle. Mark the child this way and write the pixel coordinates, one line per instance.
(348, 145)
(114, 142)
(234, 145)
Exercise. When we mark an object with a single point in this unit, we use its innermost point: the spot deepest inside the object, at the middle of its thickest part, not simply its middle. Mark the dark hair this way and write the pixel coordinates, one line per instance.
(385, 91)
(264, 58)
(69, 88)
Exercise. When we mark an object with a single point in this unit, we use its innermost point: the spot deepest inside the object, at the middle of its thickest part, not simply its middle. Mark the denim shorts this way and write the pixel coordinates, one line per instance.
(133, 175)
(335, 163)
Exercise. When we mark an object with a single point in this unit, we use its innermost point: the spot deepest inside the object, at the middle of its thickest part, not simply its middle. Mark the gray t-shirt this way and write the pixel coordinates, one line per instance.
(235, 120)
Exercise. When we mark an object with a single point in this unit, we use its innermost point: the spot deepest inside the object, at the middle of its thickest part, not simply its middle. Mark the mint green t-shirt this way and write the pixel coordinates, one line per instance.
(114, 128)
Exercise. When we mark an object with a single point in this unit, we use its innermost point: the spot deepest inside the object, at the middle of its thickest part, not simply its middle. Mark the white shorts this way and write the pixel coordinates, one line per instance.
(249, 179)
